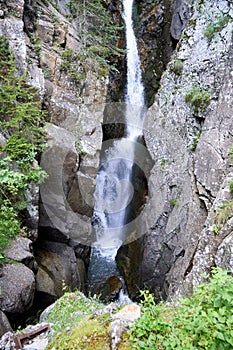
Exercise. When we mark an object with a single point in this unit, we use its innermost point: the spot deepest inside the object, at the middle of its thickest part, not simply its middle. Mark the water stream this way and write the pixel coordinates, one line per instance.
(114, 190)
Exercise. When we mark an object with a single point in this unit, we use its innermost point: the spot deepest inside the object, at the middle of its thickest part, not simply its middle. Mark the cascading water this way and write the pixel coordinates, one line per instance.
(114, 189)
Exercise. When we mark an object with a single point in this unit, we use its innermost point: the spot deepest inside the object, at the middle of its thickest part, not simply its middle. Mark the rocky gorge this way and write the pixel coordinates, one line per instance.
(185, 223)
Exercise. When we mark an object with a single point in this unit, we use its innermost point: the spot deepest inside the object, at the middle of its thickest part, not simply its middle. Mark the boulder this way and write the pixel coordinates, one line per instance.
(61, 162)
(17, 283)
(58, 268)
(123, 320)
(21, 250)
(181, 14)
(4, 324)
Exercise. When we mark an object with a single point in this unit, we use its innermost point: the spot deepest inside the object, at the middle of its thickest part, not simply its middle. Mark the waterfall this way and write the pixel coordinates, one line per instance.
(114, 189)
(135, 91)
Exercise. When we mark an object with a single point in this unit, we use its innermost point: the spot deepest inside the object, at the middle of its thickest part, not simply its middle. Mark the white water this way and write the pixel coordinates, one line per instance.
(114, 190)
(135, 91)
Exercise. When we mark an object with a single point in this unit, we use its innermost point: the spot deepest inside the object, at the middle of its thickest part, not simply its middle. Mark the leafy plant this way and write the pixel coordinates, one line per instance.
(216, 27)
(198, 98)
(203, 321)
(174, 202)
(195, 140)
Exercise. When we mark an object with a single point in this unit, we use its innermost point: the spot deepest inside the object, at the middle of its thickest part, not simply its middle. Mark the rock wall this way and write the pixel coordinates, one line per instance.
(189, 142)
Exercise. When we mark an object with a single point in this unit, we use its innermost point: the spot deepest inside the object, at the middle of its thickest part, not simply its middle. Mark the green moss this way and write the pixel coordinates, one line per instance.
(74, 324)
(162, 163)
(88, 334)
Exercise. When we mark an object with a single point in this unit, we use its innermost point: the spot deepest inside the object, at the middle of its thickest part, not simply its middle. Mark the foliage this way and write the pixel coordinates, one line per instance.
(230, 153)
(203, 321)
(216, 27)
(224, 213)
(195, 140)
(99, 34)
(231, 186)
(72, 66)
(174, 202)
(178, 66)
(198, 98)
(21, 123)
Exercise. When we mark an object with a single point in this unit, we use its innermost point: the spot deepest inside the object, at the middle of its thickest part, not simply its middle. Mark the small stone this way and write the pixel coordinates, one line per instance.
(129, 313)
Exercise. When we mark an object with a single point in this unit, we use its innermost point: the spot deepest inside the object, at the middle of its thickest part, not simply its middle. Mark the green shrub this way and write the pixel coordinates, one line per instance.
(203, 321)
(178, 66)
(216, 27)
(198, 98)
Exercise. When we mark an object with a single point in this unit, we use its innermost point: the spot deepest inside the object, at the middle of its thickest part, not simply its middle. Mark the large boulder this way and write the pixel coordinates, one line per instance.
(17, 283)
(182, 10)
(21, 250)
(58, 269)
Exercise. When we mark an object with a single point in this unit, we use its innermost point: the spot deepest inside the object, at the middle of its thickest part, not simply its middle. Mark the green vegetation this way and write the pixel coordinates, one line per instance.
(162, 163)
(231, 186)
(21, 124)
(224, 213)
(198, 98)
(72, 308)
(72, 66)
(75, 326)
(216, 229)
(203, 321)
(99, 35)
(230, 153)
(195, 140)
(216, 27)
(174, 202)
(178, 66)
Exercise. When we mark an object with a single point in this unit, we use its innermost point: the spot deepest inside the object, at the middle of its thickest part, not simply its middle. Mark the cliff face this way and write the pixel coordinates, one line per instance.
(186, 224)
(188, 131)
